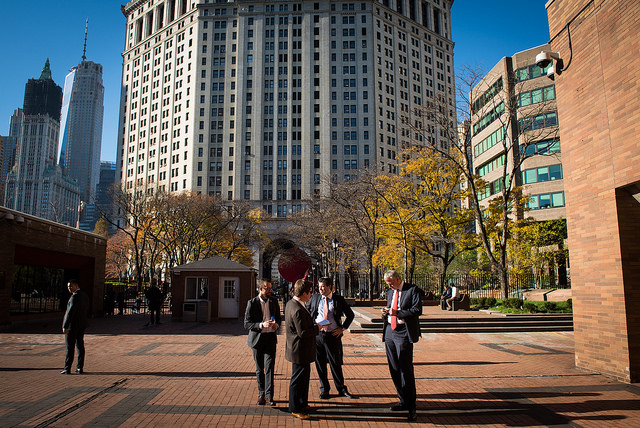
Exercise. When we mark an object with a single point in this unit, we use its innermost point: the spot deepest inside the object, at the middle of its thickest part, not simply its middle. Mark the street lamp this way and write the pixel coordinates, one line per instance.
(324, 263)
(335, 245)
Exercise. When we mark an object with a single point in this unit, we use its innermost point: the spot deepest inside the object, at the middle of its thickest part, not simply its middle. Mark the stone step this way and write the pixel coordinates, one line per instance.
(487, 322)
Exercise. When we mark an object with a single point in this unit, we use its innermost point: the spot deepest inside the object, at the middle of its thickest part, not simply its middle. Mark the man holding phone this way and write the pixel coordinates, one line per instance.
(262, 318)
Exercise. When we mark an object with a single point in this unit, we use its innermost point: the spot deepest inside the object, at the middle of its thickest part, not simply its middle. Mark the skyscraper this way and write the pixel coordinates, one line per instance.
(36, 184)
(10, 146)
(270, 102)
(80, 140)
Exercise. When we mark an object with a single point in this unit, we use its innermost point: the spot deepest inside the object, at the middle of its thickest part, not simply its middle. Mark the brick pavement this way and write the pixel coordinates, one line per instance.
(195, 374)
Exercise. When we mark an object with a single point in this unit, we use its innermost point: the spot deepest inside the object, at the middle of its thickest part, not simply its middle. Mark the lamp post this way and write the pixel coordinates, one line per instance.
(335, 245)
(324, 263)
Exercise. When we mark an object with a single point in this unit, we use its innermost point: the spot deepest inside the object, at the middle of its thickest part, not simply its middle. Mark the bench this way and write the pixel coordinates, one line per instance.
(463, 303)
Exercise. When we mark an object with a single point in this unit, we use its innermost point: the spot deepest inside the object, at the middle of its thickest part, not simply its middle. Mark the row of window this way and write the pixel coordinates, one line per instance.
(488, 142)
(537, 96)
(542, 174)
(491, 166)
(546, 200)
(540, 121)
(488, 118)
(483, 99)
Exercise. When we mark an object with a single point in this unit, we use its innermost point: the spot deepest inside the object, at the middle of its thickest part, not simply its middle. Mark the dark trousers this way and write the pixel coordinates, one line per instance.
(155, 309)
(400, 359)
(299, 387)
(264, 355)
(74, 339)
(329, 350)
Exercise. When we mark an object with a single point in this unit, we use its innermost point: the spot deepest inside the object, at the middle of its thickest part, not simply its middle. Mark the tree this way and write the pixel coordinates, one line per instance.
(521, 128)
(102, 227)
(117, 257)
(444, 231)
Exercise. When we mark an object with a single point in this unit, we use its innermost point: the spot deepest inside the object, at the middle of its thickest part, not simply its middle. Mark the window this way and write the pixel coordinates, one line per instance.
(197, 288)
(539, 175)
(546, 200)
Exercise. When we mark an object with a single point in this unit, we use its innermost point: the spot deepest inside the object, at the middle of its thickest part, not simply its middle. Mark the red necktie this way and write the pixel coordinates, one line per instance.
(394, 305)
(325, 309)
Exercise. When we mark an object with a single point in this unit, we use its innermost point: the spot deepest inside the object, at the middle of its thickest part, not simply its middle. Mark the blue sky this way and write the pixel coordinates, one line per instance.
(32, 31)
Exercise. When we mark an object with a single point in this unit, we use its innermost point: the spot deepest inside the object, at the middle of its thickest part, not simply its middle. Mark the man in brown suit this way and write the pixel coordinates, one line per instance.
(301, 347)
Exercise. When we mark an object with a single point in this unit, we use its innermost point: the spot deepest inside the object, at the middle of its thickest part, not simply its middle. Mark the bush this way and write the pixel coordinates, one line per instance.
(512, 302)
(491, 301)
(549, 306)
(570, 303)
(530, 307)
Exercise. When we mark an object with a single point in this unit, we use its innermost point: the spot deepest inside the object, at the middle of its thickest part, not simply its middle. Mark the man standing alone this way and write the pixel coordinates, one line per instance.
(73, 326)
(262, 319)
(401, 329)
(301, 348)
(327, 309)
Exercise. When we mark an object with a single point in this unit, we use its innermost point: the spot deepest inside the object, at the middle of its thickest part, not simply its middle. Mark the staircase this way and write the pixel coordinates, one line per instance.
(470, 322)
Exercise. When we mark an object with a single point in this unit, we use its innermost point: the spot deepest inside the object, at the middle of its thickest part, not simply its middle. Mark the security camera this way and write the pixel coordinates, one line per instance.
(544, 58)
(551, 73)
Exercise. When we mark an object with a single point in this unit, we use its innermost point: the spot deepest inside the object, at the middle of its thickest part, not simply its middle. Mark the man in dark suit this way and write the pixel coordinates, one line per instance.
(401, 329)
(154, 297)
(329, 340)
(262, 318)
(74, 325)
(301, 347)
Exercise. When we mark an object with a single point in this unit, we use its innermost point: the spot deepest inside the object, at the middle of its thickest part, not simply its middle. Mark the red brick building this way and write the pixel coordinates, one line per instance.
(37, 258)
(598, 99)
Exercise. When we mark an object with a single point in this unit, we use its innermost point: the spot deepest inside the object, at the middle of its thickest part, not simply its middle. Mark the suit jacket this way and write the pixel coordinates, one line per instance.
(301, 334)
(340, 309)
(253, 318)
(75, 318)
(409, 310)
(446, 294)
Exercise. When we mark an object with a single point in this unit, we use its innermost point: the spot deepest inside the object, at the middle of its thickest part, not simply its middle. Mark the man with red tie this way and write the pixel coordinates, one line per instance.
(401, 329)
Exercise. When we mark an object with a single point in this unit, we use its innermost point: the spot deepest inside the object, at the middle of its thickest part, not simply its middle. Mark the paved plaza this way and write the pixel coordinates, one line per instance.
(194, 374)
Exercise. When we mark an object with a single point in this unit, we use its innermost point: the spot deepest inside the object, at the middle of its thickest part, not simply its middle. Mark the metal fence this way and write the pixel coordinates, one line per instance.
(483, 285)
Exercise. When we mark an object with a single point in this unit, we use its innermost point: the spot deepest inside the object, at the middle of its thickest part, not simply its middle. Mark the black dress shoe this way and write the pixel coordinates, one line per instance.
(261, 400)
(79, 371)
(324, 395)
(398, 407)
(413, 416)
(346, 393)
(65, 371)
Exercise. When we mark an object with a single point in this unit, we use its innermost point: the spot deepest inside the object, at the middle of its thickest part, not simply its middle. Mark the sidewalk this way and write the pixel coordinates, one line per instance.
(195, 374)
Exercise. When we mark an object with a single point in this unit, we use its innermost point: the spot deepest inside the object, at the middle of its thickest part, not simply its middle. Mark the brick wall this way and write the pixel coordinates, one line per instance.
(599, 112)
(34, 241)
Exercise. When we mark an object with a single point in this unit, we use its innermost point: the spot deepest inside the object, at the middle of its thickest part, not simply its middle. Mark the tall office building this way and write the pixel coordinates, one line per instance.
(80, 141)
(36, 184)
(531, 120)
(269, 102)
(10, 145)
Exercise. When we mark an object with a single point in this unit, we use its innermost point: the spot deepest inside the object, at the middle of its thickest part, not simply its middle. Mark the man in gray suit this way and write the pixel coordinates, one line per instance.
(73, 326)
(301, 347)
(262, 318)
(401, 329)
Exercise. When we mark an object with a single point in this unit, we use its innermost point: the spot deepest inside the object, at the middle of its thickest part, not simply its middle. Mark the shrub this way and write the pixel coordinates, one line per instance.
(530, 307)
(549, 306)
(491, 301)
(570, 303)
(512, 302)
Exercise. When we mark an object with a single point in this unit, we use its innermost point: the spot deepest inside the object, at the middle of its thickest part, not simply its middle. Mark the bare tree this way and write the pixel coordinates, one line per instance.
(435, 128)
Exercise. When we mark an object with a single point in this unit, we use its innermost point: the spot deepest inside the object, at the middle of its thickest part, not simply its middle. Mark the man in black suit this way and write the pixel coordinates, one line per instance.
(74, 325)
(329, 340)
(301, 347)
(401, 329)
(154, 297)
(262, 319)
